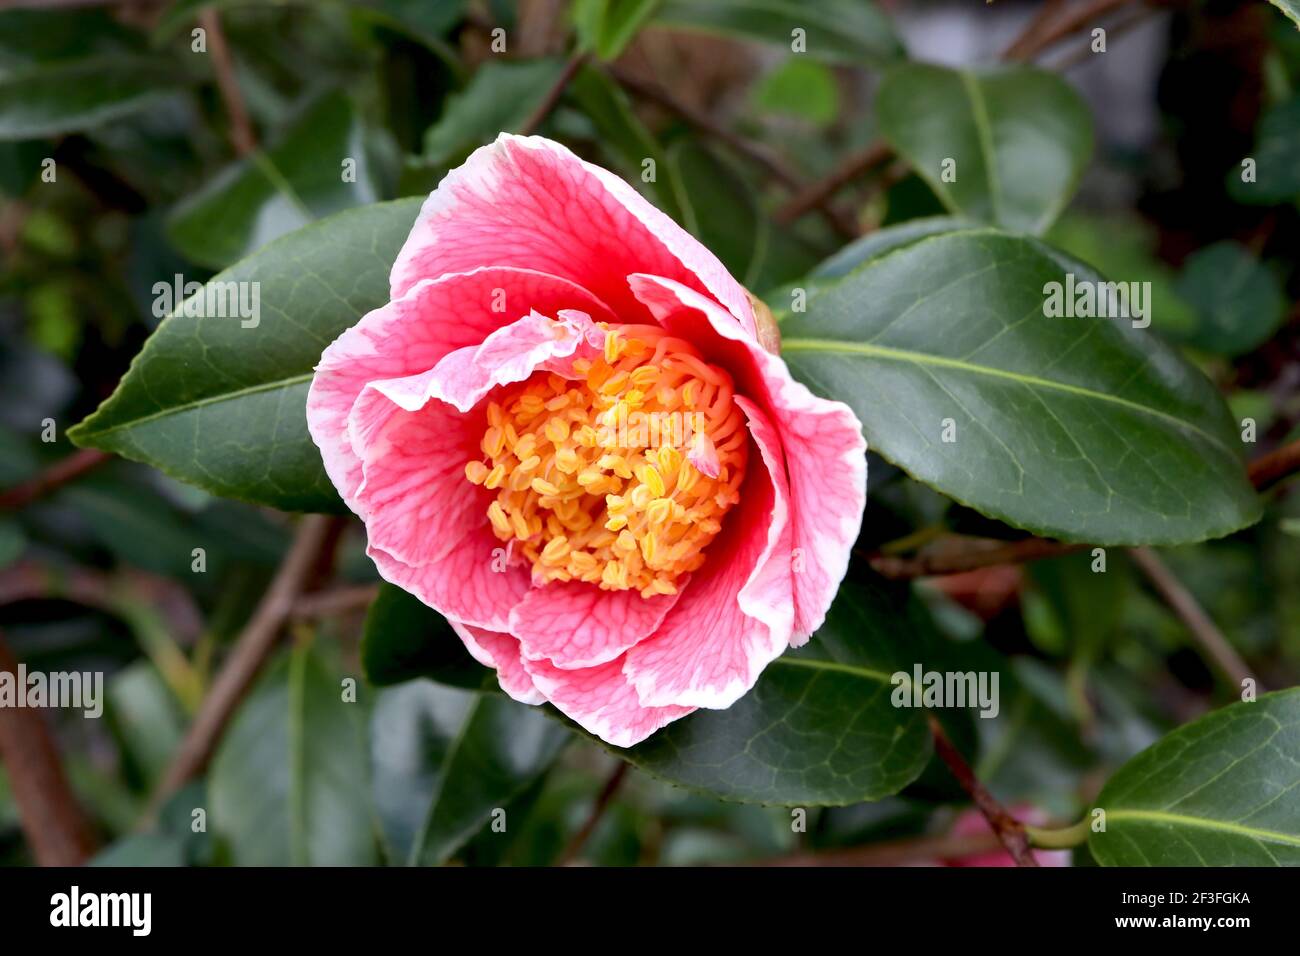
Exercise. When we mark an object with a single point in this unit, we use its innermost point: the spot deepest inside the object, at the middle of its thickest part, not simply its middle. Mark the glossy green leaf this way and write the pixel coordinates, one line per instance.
(67, 97)
(1079, 428)
(500, 96)
(839, 31)
(1275, 157)
(405, 638)
(290, 782)
(1238, 301)
(29, 36)
(626, 138)
(1005, 146)
(1289, 7)
(145, 719)
(880, 241)
(1222, 791)
(262, 197)
(445, 760)
(221, 405)
(819, 728)
(720, 209)
(606, 27)
(802, 88)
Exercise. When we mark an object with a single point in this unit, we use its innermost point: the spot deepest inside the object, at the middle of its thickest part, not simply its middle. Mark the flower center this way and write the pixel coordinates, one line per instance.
(621, 475)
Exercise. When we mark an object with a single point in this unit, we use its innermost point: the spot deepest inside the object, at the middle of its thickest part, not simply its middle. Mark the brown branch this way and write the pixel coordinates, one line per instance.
(1043, 33)
(250, 652)
(927, 849)
(820, 192)
(342, 600)
(223, 65)
(57, 475)
(1269, 469)
(1007, 828)
(1202, 628)
(598, 809)
(955, 560)
(755, 152)
(56, 828)
(553, 95)
(1117, 29)
(1037, 23)
(111, 593)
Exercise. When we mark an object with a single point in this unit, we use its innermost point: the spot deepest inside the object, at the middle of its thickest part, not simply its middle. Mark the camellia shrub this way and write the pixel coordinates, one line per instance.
(669, 433)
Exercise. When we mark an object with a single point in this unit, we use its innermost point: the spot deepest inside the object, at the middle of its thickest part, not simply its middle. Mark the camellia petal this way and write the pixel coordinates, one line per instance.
(528, 202)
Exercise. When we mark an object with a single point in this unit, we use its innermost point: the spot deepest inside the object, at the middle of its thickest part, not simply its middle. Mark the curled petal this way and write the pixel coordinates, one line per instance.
(822, 442)
(736, 616)
(601, 701)
(528, 202)
(413, 333)
(576, 624)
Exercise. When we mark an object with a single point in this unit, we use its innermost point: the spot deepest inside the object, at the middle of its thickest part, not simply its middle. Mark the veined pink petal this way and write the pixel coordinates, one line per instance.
(529, 202)
(425, 523)
(602, 701)
(736, 616)
(822, 440)
(470, 585)
(413, 435)
(413, 333)
(501, 652)
(576, 624)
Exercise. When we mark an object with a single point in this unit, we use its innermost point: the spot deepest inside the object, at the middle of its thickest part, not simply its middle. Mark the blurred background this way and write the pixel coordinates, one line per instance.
(172, 160)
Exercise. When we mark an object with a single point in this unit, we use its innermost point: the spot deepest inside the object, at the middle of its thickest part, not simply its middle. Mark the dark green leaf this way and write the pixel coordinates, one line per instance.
(68, 97)
(405, 639)
(145, 719)
(608, 26)
(445, 760)
(1079, 428)
(289, 784)
(1238, 301)
(842, 31)
(800, 87)
(1276, 157)
(1291, 8)
(1005, 146)
(721, 210)
(222, 406)
(818, 728)
(877, 243)
(1223, 791)
(500, 96)
(260, 198)
(626, 137)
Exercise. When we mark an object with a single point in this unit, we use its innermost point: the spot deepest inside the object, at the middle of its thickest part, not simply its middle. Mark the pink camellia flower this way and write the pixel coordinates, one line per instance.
(564, 434)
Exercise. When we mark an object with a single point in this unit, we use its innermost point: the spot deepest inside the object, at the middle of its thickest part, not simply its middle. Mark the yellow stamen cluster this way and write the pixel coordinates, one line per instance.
(591, 473)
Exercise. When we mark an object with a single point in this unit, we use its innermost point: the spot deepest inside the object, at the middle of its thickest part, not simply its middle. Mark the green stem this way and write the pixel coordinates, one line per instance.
(1058, 839)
